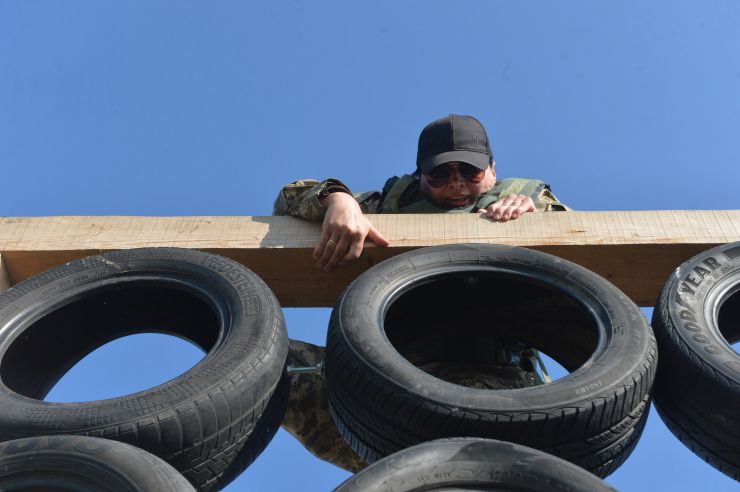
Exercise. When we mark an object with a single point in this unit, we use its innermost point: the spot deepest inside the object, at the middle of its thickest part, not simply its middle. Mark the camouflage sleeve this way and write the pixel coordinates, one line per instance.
(301, 198)
(308, 417)
(548, 202)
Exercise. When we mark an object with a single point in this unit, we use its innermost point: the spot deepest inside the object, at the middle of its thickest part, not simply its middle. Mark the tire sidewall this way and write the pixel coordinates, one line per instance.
(253, 319)
(690, 300)
(87, 462)
(461, 462)
(624, 337)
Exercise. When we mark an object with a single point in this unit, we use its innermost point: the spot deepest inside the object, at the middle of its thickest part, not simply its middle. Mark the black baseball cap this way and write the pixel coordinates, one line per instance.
(454, 138)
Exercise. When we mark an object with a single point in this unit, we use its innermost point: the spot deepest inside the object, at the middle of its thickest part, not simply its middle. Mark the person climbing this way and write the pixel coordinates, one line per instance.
(455, 173)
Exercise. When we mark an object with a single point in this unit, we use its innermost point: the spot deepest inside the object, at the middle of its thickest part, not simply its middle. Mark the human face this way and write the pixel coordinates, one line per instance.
(458, 191)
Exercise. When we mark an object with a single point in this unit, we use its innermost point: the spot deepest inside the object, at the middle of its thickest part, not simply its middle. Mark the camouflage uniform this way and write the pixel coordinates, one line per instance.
(402, 195)
(308, 418)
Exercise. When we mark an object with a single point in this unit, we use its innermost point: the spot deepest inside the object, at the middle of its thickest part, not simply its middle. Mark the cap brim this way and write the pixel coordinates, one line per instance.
(476, 159)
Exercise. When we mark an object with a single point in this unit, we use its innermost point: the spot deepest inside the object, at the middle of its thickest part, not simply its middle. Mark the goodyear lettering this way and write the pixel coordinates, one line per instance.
(712, 263)
(700, 338)
(691, 324)
(685, 289)
(699, 272)
(688, 278)
(702, 272)
(680, 301)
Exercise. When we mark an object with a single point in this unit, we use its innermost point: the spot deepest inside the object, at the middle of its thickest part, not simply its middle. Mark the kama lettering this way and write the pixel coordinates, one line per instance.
(244, 286)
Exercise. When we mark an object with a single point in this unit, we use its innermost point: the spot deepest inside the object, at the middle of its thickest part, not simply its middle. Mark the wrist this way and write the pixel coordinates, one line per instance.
(330, 198)
(331, 187)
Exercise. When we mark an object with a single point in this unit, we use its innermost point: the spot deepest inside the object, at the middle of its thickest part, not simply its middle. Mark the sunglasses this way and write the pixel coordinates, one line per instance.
(440, 175)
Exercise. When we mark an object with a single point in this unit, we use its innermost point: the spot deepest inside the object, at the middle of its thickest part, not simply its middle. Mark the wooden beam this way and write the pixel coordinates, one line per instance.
(635, 250)
(4, 282)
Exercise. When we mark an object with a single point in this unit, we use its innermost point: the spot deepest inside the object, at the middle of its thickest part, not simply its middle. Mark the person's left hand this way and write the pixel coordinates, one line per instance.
(509, 207)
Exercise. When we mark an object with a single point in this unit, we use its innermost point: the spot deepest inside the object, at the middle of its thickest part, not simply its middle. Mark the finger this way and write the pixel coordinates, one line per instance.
(495, 210)
(514, 203)
(508, 200)
(353, 252)
(375, 236)
(318, 250)
(327, 252)
(515, 200)
(521, 205)
(337, 254)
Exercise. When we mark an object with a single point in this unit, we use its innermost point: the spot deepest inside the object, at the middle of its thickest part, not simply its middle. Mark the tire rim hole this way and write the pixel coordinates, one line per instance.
(728, 320)
(450, 327)
(126, 366)
(51, 345)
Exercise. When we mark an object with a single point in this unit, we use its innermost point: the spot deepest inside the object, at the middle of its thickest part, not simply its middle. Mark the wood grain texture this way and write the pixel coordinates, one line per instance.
(4, 282)
(635, 250)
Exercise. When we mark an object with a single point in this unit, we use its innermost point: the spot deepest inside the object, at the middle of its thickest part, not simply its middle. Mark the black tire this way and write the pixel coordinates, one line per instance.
(382, 403)
(697, 389)
(211, 421)
(78, 463)
(474, 465)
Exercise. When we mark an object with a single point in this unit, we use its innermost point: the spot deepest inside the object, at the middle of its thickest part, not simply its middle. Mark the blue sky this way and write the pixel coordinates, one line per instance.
(208, 108)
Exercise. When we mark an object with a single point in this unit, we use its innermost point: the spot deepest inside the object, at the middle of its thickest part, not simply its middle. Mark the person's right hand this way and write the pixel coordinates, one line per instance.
(343, 232)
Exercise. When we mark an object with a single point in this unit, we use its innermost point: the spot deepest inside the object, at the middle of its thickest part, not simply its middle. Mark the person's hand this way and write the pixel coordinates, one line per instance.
(343, 232)
(509, 207)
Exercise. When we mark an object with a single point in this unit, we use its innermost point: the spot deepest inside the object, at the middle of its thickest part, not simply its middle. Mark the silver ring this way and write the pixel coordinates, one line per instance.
(331, 243)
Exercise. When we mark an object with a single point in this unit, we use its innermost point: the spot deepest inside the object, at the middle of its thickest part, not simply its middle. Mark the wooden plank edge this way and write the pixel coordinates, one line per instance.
(4, 281)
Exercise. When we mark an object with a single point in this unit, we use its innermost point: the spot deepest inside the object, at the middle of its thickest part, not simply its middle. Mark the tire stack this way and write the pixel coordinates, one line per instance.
(420, 307)
(202, 428)
(419, 429)
(697, 391)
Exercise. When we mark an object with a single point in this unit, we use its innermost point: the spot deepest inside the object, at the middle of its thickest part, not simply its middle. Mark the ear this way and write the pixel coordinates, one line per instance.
(493, 169)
